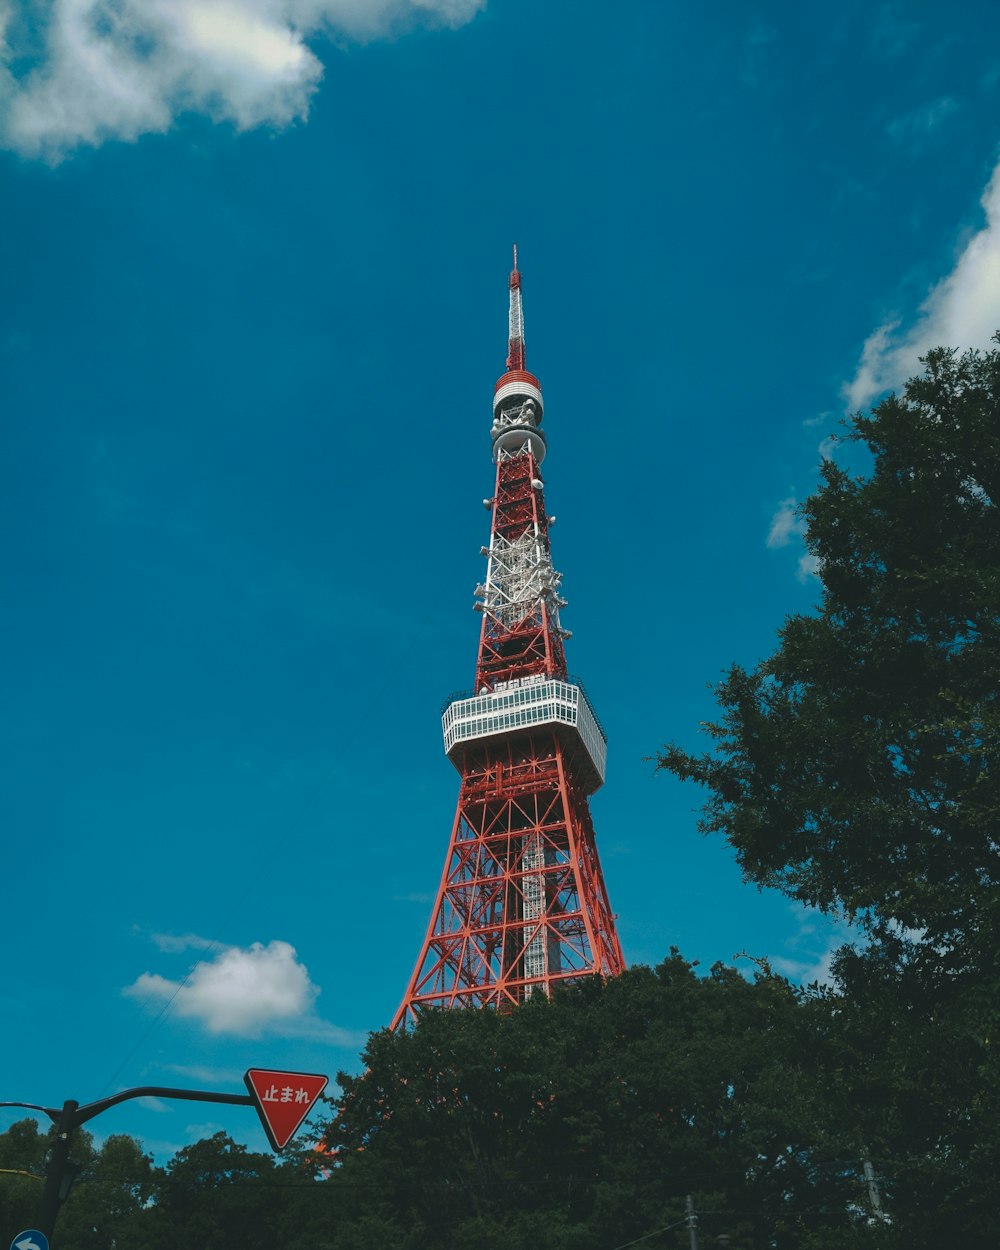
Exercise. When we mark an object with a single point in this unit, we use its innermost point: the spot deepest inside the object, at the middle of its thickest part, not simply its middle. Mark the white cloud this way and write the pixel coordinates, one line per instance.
(807, 567)
(118, 69)
(913, 130)
(153, 1104)
(207, 1075)
(172, 943)
(785, 525)
(828, 446)
(962, 310)
(200, 1131)
(805, 971)
(241, 991)
(812, 947)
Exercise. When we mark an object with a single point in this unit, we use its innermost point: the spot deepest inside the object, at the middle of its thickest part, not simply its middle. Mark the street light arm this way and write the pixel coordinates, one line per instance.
(87, 1112)
(51, 1112)
(90, 1109)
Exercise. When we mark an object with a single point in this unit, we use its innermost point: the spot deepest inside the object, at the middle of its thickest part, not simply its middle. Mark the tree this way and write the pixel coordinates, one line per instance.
(857, 767)
(22, 1172)
(217, 1193)
(107, 1207)
(583, 1122)
(107, 1204)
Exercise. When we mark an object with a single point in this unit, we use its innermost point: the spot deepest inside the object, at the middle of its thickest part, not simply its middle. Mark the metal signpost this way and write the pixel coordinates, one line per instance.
(282, 1099)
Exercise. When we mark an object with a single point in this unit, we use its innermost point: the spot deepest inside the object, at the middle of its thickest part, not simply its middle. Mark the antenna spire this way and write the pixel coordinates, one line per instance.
(515, 337)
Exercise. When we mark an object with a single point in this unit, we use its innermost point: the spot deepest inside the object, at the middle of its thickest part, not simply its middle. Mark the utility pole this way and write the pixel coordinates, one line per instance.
(58, 1170)
(692, 1222)
(874, 1197)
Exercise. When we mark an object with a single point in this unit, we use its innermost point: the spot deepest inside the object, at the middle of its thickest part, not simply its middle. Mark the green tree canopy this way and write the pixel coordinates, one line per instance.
(22, 1169)
(217, 1193)
(107, 1205)
(110, 1190)
(857, 767)
(583, 1122)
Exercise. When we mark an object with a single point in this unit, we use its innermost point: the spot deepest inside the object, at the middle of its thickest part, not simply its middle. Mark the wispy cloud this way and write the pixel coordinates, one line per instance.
(758, 50)
(785, 524)
(207, 1075)
(118, 69)
(153, 1104)
(245, 991)
(914, 130)
(811, 948)
(828, 446)
(962, 310)
(893, 32)
(816, 968)
(808, 566)
(788, 527)
(174, 943)
(200, 1131)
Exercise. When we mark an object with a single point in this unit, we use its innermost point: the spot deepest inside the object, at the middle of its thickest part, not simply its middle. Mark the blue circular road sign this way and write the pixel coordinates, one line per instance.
(30, 1239)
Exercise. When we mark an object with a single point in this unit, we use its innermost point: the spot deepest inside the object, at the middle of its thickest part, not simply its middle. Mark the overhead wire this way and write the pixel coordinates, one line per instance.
(655, 1233)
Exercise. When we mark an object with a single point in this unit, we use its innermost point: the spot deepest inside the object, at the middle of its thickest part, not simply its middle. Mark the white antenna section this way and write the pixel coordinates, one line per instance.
(519, 579)
(516, 334)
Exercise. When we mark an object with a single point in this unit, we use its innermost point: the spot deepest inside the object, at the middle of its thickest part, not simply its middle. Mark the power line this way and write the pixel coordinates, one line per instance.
(655, 1233)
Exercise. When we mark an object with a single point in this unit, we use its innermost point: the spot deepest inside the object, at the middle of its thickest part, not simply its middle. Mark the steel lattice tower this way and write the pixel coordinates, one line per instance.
(522, 904)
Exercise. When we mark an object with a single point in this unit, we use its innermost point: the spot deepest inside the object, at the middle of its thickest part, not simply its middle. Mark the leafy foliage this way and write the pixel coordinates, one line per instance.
(22, 1167)
(110, 1190)
(584, 1122)
(856, 768)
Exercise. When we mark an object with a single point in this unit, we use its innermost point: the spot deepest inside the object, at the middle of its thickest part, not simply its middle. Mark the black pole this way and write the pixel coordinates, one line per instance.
(56, 1169)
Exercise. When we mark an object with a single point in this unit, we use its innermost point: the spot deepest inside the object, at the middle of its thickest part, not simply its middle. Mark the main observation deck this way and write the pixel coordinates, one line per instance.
(528, 703)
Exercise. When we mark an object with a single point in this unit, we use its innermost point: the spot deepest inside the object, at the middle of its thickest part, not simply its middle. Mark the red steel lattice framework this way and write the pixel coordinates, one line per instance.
(522, 904)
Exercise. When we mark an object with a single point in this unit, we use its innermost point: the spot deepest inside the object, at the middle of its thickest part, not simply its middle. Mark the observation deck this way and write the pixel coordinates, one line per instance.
(529, 703)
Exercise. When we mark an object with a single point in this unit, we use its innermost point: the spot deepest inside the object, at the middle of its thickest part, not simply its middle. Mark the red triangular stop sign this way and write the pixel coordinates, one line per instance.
(283, 1100)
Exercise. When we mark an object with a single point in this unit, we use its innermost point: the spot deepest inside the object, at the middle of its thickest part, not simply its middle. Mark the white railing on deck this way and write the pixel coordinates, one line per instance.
(522, 704)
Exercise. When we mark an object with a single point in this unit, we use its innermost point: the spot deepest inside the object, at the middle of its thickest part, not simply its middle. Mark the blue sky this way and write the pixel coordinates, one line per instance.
(254, 259)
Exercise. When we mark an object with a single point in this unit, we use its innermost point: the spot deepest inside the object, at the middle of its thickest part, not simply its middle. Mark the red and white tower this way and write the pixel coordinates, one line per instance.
(522, 904)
